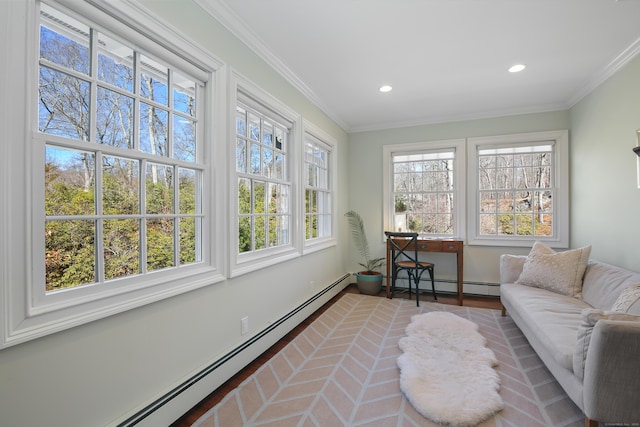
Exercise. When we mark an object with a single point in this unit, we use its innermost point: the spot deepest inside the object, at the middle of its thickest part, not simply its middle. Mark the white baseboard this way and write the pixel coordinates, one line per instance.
(450, 286)
(184, 395)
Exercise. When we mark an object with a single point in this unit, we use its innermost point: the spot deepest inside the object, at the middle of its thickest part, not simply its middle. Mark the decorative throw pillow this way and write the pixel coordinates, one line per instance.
(560, 272)
(591, 316)
(628, 301)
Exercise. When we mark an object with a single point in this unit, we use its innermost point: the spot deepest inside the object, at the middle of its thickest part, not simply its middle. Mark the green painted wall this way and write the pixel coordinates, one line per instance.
(365, 175)
(605, 199)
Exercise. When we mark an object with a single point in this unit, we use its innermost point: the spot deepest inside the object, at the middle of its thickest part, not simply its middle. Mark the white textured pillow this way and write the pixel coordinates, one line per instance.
(560, 272)
(628, 301)
(590, 317)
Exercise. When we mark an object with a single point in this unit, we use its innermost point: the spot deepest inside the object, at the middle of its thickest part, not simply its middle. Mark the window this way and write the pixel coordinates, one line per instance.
(264, 156)
(319, 181)
(520, 189)
(119, 180)
(424, 188)
(123, 177)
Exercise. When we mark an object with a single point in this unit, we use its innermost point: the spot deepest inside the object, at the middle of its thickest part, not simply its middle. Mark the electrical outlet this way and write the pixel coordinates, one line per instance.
(244, 322)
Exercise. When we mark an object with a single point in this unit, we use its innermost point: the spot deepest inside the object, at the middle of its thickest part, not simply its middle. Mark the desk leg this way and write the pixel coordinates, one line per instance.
(460, 279)
(388, 272)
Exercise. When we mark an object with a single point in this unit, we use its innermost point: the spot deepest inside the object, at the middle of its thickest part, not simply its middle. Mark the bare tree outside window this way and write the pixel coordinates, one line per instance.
(423, 191)
(516, 191)
(122, 198)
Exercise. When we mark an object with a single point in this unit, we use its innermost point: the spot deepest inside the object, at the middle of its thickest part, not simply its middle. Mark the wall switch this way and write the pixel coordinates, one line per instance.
(244, 325)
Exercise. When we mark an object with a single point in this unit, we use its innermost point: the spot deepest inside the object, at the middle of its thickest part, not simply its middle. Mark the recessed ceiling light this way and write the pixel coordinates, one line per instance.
(516, 68)
(385, 88)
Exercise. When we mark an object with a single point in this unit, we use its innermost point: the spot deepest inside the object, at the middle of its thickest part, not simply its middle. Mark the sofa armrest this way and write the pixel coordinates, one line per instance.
(511, 267)
(612, 372)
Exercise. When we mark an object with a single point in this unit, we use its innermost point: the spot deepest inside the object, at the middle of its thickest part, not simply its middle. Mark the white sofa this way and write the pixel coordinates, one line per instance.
(575, 332)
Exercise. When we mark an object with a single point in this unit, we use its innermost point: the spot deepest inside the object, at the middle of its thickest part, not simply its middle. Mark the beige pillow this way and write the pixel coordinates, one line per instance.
(590, 317)
(628, 301)
(560, 272)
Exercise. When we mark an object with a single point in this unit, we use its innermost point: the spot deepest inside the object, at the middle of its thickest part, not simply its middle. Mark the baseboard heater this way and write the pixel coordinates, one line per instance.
(447, 287)
(158, 403)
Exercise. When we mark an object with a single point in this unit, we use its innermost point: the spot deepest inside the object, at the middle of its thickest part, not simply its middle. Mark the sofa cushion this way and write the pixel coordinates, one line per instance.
(560, 272)
(628, 301)
(550, 318)
(603, 284)
(590, 316)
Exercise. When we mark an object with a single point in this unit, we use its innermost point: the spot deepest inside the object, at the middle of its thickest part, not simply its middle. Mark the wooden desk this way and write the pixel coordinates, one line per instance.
(435, 245)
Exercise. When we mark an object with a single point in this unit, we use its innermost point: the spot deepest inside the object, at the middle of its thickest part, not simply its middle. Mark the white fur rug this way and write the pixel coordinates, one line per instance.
(446, 370)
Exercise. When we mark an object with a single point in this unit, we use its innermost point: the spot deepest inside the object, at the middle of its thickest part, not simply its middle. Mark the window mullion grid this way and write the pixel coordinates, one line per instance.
(136, 101)
(176, 217)
(143, 217)
(93, 97)
(99, 221)
(170, 113)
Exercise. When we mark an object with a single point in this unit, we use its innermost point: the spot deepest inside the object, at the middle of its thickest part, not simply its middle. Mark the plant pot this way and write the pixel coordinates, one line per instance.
(369, 283)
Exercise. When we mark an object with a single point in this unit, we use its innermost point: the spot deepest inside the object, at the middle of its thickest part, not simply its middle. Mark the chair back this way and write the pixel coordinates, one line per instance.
(403, 245)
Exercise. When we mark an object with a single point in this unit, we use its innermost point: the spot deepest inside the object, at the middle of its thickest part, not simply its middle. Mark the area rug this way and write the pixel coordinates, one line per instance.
(446, 370)
(341, 370)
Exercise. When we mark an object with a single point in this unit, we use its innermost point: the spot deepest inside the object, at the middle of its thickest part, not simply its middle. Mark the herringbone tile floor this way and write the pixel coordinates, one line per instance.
(341, 371)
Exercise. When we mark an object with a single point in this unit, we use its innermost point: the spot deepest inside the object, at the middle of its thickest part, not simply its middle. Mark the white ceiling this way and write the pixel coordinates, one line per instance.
(446, 59)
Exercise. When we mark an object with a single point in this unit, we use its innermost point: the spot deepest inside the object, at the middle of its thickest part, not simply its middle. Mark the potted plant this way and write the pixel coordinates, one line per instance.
(368, 281)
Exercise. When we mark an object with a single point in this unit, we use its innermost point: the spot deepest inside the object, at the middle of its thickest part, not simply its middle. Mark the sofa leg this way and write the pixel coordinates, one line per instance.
(590, 423)
(504, 311)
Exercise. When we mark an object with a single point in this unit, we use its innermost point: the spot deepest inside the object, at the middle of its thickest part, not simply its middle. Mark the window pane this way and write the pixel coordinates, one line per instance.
(159, 187)
(153, 130)
(279, 166)
(274, 197)
(241, 122)
(69, 254)
(189, 241)
(259, 232)
(114, 119)
(267, 163)
(69, 182)
(188, 192)
(273, 230)
(255, 159)
(153, 80)
(254, 127)
(241, 155)
(63, 107)
(160, 243)
(184, 94)
(64, 41)
(267, 134)
(244, 196)
(115, 63)
(259, 197)
(120, 186)
(184, 139)
(244, 234)
(121, 248)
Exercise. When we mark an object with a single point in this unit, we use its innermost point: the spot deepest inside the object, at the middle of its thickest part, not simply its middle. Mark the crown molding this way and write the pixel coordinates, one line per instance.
(219, 11)
(609, 70)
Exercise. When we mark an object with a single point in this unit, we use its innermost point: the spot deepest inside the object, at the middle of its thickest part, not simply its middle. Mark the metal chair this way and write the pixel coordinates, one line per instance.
(404, 256)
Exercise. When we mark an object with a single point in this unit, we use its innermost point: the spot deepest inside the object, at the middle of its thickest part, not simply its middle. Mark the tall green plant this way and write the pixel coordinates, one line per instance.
(360, 240)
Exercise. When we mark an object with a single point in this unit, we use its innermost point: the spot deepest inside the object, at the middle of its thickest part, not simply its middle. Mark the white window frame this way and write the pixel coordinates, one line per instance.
(260, 100)
(560, 170)
(318, 136)
(459, 186)
(28, 312)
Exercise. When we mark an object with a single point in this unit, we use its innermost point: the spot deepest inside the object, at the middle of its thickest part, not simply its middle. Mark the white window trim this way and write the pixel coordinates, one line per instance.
(459, 180)
(22, 320)
(247, 262)
(315, 245)
(560, 140)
